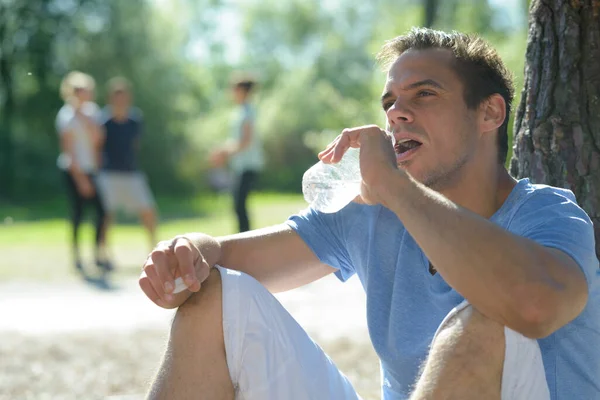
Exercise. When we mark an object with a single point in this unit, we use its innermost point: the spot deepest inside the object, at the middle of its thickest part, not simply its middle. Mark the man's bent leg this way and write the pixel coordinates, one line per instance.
(234, 338)
(194, 365)
(270, 356)
(473, 357)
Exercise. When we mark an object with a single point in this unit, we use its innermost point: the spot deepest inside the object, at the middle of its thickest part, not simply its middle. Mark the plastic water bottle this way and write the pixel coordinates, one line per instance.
(330, 187)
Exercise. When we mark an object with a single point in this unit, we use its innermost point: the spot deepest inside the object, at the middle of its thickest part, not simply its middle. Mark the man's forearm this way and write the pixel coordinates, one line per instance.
(501, 274)
(275, 256)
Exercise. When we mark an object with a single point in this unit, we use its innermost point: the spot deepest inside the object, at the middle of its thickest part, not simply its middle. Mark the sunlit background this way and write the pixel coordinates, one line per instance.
(62, 337)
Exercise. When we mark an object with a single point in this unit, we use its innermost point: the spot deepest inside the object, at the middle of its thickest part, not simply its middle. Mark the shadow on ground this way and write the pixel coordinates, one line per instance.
(101, 281)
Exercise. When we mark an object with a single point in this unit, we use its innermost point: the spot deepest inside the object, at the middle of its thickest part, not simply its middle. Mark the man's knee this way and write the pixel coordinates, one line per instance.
(204, 305)
(200, 316)
(465, 360)
(473, 341)
(470, 325)
(194, 365)
(207, 305)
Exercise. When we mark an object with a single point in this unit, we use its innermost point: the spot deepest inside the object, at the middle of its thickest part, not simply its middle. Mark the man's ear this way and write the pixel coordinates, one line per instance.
(492, 113)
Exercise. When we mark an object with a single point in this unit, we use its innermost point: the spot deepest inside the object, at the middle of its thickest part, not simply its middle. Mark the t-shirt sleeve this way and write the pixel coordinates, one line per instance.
(248, 115)
(63, 121)
(94, 112)
(553, 219)
(104, 116)
(325, 234)
(138, 117)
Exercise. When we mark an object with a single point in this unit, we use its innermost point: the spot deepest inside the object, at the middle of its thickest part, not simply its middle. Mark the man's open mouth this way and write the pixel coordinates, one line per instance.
(405, 145)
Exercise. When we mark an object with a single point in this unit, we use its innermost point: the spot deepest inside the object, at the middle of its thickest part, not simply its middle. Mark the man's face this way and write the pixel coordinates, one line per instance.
(238, 94)
(120, 99)
(84, 95)
(435, 134)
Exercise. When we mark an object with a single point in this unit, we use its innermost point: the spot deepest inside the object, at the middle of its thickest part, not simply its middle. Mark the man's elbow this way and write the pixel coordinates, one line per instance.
(541, 314)
(536, 322)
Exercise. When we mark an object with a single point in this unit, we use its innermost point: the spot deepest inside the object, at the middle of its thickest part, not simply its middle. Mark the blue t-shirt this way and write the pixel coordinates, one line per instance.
(120, 147)
(406, 304)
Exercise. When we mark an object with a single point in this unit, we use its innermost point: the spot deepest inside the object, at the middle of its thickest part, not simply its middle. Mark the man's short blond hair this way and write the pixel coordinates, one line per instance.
(118, 84)
(75, 80)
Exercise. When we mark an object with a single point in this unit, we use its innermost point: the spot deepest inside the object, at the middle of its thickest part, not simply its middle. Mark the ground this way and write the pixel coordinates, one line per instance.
(66, 338)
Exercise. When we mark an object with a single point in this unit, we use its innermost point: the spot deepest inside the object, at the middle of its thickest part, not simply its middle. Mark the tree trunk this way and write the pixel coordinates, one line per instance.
(431, 7)
(7, 108)
(557, 124)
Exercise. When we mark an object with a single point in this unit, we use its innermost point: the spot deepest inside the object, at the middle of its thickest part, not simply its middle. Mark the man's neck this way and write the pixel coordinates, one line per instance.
(482, 191)
(120, 114)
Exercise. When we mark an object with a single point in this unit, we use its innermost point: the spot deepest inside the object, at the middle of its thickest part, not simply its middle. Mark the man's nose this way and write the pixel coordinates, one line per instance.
(399, 113)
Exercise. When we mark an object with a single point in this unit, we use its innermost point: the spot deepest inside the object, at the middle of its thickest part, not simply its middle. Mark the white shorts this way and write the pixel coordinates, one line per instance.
(270, 356)
(127, 191)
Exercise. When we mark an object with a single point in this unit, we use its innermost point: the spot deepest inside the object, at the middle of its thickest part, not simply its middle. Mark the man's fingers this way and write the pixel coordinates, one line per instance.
(157, 284)
(348, 138)
(342, 145)
(325, 155)
(184, 253)
(148, 289)
(163, 266)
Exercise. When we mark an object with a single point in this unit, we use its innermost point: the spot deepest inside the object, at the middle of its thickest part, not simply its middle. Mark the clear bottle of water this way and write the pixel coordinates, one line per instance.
(330, 187)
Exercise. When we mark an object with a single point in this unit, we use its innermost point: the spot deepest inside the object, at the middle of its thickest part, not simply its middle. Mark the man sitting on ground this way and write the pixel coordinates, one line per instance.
(478, 286)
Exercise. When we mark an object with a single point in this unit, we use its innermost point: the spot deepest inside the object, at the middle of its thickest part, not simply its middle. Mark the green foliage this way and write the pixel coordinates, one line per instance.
(315, 61)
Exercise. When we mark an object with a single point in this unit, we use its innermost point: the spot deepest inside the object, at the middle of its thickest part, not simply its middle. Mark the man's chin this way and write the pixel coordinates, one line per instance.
(409, 168)
(419, 176)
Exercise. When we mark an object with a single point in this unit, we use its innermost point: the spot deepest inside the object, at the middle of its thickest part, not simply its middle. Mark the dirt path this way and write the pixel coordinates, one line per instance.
(327, 308)
(72, 340)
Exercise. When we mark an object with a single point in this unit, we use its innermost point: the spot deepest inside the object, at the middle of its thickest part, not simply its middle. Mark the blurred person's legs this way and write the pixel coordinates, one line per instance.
(76, 202)
(243, 185)
(100, 226)
(148, 218)
(233, 339)
(130, 192)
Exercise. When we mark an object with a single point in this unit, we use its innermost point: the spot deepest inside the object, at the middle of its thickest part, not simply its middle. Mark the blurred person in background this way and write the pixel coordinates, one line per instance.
(80, 141)
(243, 151)
(123, 185)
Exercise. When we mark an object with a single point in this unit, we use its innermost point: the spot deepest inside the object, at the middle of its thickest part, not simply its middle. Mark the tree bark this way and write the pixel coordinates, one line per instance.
(431, 7)
(7, 109)
(557, 124)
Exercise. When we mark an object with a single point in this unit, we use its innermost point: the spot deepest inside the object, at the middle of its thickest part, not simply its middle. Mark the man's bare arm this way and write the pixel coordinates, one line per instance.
(275, 256)
(513, 280)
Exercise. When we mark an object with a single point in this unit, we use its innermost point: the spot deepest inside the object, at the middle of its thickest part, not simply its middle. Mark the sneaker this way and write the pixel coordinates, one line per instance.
(79, 266)
(105, 265)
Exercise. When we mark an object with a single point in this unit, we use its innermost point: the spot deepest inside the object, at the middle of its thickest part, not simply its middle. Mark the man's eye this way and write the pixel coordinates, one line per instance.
(425, 93)
(387, 105)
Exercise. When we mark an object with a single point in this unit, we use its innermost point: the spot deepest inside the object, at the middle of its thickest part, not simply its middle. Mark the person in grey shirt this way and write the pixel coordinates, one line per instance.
(243, 151)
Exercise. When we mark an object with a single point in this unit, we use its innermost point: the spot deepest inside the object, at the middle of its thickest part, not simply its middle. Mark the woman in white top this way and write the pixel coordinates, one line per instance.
(81, 139)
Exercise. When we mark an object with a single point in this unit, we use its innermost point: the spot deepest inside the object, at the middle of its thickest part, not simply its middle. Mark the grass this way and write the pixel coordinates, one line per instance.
(35, 242)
